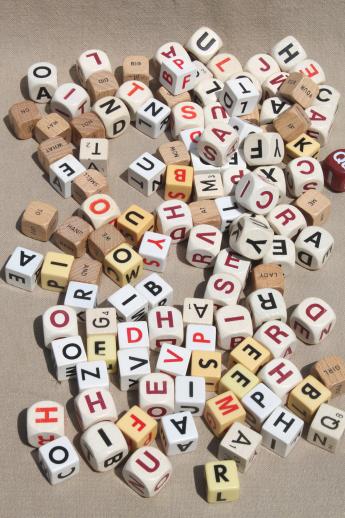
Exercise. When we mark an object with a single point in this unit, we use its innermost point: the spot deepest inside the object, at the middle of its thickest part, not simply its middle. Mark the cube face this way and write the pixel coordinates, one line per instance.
(23, 268)
(281, 431)
(152, 118)
(42, 81)
(239, 380)
(331, 371)
(262, 66)
(133, 365)
(51, 150)
(55, 271)
(51, 126)
(174, 219)
(173, 360)
(39, 220)
(217, 143)
(229, 210)
(178, 182)
(234, 324)
(165, 327)
(312, 320)
(59, 322)
(250, 236)
(224, 289)
(67, 352)
(93, 154)
(63, 172)
(303, 174)
(156, 394)
(327, 428)
(268, 276)
(292, 123)
(251, 354)
(104, 446)
(101, 321)
(328, 98)
(314, 246)
(222, 481)
(177, 75)
(58, 460)
(178, 433)
(71, 236)
(190, 394)
(113, 114)
(200, 337)
(272, 84)
(146, 174)
(101, 84)
(134, 222)
(264, 148)
(23, 117)
(123, 265)
(103, 240)
(129, 304)
(240, 444)
(99, 209)
(70, 100)
(136, 68)
(259, 404)
(305, 399)
(91, 61)
(138, 428)
(311, 69)
(156, 291)
(321, 123)
(203, 246)
(277, 337)
(239, 96)
(197, 311)
(272, 108)
(282, 252)
(207, 90)
(92, 375)
(186, 115)
(93, 406)
(174, 153)
(206, 212)
(154, 249)
(288, 52)
(281, 376)
(224, 65)
(207, 365)
(81, 296)
(222, 411)
(208, 186)
(304, 145)
(286, 220)
(134, 94)
(102, 347)
(229, 262)
(299, 89)
(133, 335)
(315, 207)
(204, 44)
(44, 422)
(86, 270)
(266, 304)
(333, 170)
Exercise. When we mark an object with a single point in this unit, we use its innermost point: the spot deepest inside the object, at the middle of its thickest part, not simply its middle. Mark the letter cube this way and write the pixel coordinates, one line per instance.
(207, 365)
(224, 289)
(91, 61)
(92, 375)
(327, 428)
(312, 320)
(103, 446)
(173, 360)
(271, 109)
(281, 431)
(300, 89)
(222, 411)
(81, 296)
(277, 337)
(59, 322)
(239, 96)
(138, 428)
(152, 118)
(286, 220)
(239, 380)
(288, 52)
(207, 90)
(251, 354)
(281, 376)
(165, 326)
(23, 268)
(224, 65)
(315, 207)
(51, 150)
(302, 146)
(100, 321)
(102, 347)
(123, 265)
(157, 394)
(250, 236)
(291, 123)
(58, 460)
(86, 125)
(114, 115)
(272, 84)
(129, 304)
(229, 210)
(145, 174)
(23, 117)
(133, 364)
(42, 81)
(174, 219)
(174, 153)
(66, 354)
(190, 394)
(214, 111)
(101, 84)
(263, 148)
(71, 236)
(310, 69)
(268, 276)
(86, 270)
(222, 483)
(134, 94)
(178, 433)
(136, 68)
(328, 98)
(303, 174)
(204, 44)
(154, 249)
(334, 170)
(163, 95)
(184, 116)
(206, 212)
(234, 324)
(262, 66)
(134, 222)
(99, 209)
(200, 337)
(240, 444)
(256, 194)
(103, 240)
(55, 271)
(331, 371)
(314, 246)
(178, 182)
(133, 335)
(229, 262)
(217, 143)
(51, 126)
(155, 290)
(259, 403)
(197, 311)
(44, 422)
(281, 252)
(93, 154)
(203, 246)
(63, 172)
(70, 100)
(305, 399)
(39, 220)
(177, 74)
(208, 186)
(93, 406)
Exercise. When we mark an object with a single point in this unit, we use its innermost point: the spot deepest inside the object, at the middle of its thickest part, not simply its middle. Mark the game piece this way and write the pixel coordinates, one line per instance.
(190, 394)
(90, 62)
(177, 75)
(200, 337)
(81, 296)
(138, 428)
(197, 311)
(104, 446)
(174, 153)
(327, 428)
(222, 484)
(217, 143)
(165, 326)
(271, 85)
(133, 364)
(94, 405)
(92, 375)
(58, 460)
(66, 353)
(173, 360)
(44, 422)
(303, 174)
(23, 268)
(256, 194)
(155, 290)
(178, 433)
(331, 371)
(171, 100)
(274, 175)
(224, 289)
(292, 123)
(281, 376)
(113, 114)
(204, 44)
(42, 82)
(87, 125)
(52, 126)
(302, 146)
(239, 380)
(129, 304)
(266, 304)
(103, 240)
(263, 148)
(234, 324)
(315, 206)
(23, 117)
(262, 66)
(268, 276)
(52, 150)
(99, 209)
(311, 69)
(178, 182)
(136, 68)
(312, 320)
(147, 471)
(102, 347)
(203, 246)
(240, 444)
(123, 265)
(101, 84)
(251, 354)
(70, 100)
(328, 98)
(186, 115)
(334, 170)
(251, 236)
(152, 118)
(229, 262)
(259, 403)
(170, 50)
(277, 337)
(157, 394)
(63, 172)
(146, 174)
(55, 271)
(208, 365)
(207, 186)
(305, 399)
(300, 89)
(222, 411)
(174, 219)
(134, 94)
(71, 236)
(154, 249)
(288, 52)
(314, 246)
(87, 184)
(133, 335)
(287, 221)
(239, 96)
(321, 124)
(281, 431)
(206, 212)
(271, 109)
(59, 322)
(215, 112)
(224, 65)
(101, 321)
(39, 220)
(134, 222)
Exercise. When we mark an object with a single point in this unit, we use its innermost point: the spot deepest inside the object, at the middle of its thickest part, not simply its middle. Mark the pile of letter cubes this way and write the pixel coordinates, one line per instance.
(242, 140)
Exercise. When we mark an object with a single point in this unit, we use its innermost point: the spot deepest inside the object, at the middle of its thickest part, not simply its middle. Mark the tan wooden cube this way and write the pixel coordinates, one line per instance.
(51, 126)
(292, 123)
(86, 269)
(53, 149)
(205, 213)
(315, 207)
(171, 100)
(101, 84)
(88, 183)
(331, 371)
(300, 89)
(103, 240)
(71, 236)
(23, 117)
(87, 125)
(39, 220)
(174, 153)
(136, 68)
(268, 275)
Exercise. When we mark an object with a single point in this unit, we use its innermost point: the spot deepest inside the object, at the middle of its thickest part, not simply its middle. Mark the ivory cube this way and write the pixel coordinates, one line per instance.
(286, 220)
(327, 428)
(281, 252)
(203, 246)
(42, 81)
(288, 52)
(303, 174)
(197, 311)
(311, 69)
(93, 154)
(184, 116)
(157, 394)
(263, 148)
(93, 406)
(81, 296)
(239, 96)
(59, 322)
(224, 65)
(217, 143)
(91, 61)
(222, 481)
(99, 209)
(152, 118)
(281, 431)
(240, 444)
(204, 44)
(277, 337)
(173, 360)
(165, 326)
(250, 236)
(281, 376)
(23, 268)
(44, 422)
(70, 100)
(234, 324)
(222, 411)
(55, 271)
(66, 354)
(229, 262)
(103, 446)
(266, 304)
(92, 375)
(259, 403)
(102, 347)
(312, 320)
(177, 74)
(314, 246)
(145, 174)
(224, 289)
(207, 90)
(178, 433)
(133, 335)
(256, 194)
(154, 249)
(134, 94)
(190, 394)
(113, 114)
(274, 175)
(174, 219)
(58, 460)
(200, 337)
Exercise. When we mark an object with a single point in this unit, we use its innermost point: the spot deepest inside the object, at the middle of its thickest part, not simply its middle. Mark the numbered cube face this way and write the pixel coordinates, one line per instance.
(23, 268)
(286, 220)
(101, 84)
(173, 360)
(178, 433)
(185, 116)
(81, 296)
(281, 376)
(44, 422)
(134, 94)
(133, 364)
(123, 265)
(305, 399)
(204, 44)
(251, 236)
(165, 327)
(197, 311)
(217, 143)
(93, 406)
(129, 304)
(240, 444)
(156, 291)
(190, 394)
(263, 148)
(138, 428)
(100, 209)
(281, 252)
(63, 172)
(67, 353)
(277, 337)
(229, 262)
(70, 100)
(91, 375)
(334, 170)
(303, 174)
(331, 371)
(239, 96)
(133, 335)
(146, 174)
(71, 236)
(93, 154)
(222, 484)
(103, 240)
(224, 289)
(222, 411)
(256, 194)
(327, 428)
(200, 337)
(42, 82)
(259, 403)
(249, 353)
(288, 52)
(152, 118)
(203, 246)
(281, 431)
(58, 460)
(174, 219)
(239, 380)
(207, 365)
(234, 324)
(59, 322)
(157, 394)
(177, 75)
(147, 471)
(102, 347)
(90, 62)
(39, 220)
(314, 246)
(104, 446)
(312, 320)
(114, 115)
(154, 249)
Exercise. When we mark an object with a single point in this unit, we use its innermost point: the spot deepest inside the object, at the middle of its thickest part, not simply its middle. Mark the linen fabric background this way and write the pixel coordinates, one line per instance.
(310, 482)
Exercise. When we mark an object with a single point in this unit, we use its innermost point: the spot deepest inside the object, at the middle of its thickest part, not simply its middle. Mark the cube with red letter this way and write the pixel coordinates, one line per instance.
(186, 115)
(92, 61)
(178, 182)
(214, 112)
(286, 220)
(256, 194)
(190, 137)
(147, 471)
(165, 326)
(134, 94)
(200, 337)
(138, 428)
(266, 304)
(178, 433)
(157, 394)
(334, 170)
(259, 403)
(239, 96)
(312, 320)
(314, 247)
(262, 66)
(94, 405)
(229, 262)
(59, 322)
(58, 460)
(217, 143)
(203, 246)
(174, 219)
(234, 324)
(173, 360)
(133, 365)
(44, 422)
(177, 75)
(224, 65)
(133, 335)
(70, 100)
(233, 172)
(272, 84)
(281, 376)
(312, 69)
(277, 337)
(303, 173)
(100, 209)
(222, 411)
(224, 289)
(321, 123)
(170, 50)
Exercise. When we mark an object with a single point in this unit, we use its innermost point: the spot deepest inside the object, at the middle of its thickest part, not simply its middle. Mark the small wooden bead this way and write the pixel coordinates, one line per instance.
(136, 68)
(51, 126)
(268, 276)
(39, 220)
(87, 184)
(292, 123)
(171, 100)
(51, 150)
(71, 236)
(104, 239)
(23, 117)
(331, 371)
(101, 84)
(300, 89)
(86, 125)
(87, 270)
(55, 272)
(174, 153)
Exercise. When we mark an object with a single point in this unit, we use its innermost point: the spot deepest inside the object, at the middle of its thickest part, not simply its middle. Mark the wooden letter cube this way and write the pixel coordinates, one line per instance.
(81, 296)
(87, 125)
(305, 399)
(134, 222)
(39, 220)
(197, 311)
(315, 207)
(101, 321)
(44, 422)
(58, 460)
(103, 240)
(71, 236)
(268, 276)
(42, 82)
(138, 428)
(171, 100)
(23, 268)
(23, 117)
(136, 68)
(174, 153)
(87, 184)
(300, 89)
(55, 271)
(222, 411)
(123, 265)
(101, 84)
(327, 428)
(173, 360)
(331, 371)
(104, 446)
(222, 481)
(51, 126)
(292, 123)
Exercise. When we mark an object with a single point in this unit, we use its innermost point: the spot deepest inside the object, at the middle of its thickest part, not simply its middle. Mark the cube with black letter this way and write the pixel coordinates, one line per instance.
(133, 364)
(281, 431)
(155, 290)
(190, 394)
(92, 375)
(222, 482)
(178, 433)
(23, 268)
(67, 353)
(81, 296)
(266, 304)
(58, 460)
(152, 118)
(314, 246)
(327, 427)
(114, 114)
(42, 81)
(240, 444)
(259, 404)
(104, 446)
(129, 304)
(145, 174)
(239, 96)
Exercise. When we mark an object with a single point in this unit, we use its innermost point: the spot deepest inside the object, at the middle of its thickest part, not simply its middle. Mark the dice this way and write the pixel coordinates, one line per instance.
(321, 123)
(51, 126)
(58, 460)
(23, 268)
(51, 150)
(302, 146)
(173, 360)
(224, 289)
(129, 304)
(103, 446)
(222, 483)
(286, 220)
(224, 65)
(155, 290)
(157, 394)
(177, 74)
(178, 433)
(70, 100)
(259, 403)
(300, 89)
(186, 115)
(234, 324)
(87, 184)
(217, 143)
(240, 444)
(190, 394)
(207, 186)
(92, 375)
(147, 471)
(281, 376)
(101, 84)
(44, 422)
(305, 399)
(303, 174)
(66, 354)
(328, 98)
(250, 236)
(331, 371)
(311, 69)
(315, 206)
(249, 353)
(291, 123)
(133, 335)
(90, 62)
(174, 219)
(262, 66)
(277, 337)
(281, 252)
(263, 148)
(312, 320)
(256, 194)
(146, 174)
(197, 311)
(23, 117)
(178, 182)
(93, 406)
(268, 276)
(133, 365)
(59, 322)
(271, 109)
(266, 304)
(99, 209)
(165, 326)
(113, 114)
(71, 236)
(138, 428)
(204, 44)
(327, 428)
(39, 220)
(42, 82)
(281, 431)
(203, 246)
(134, 94)
(222, 411)
(93, 154)
(63, 172)
(314, 246)
(152, 118)
(334, 170)
(81, 296)
(229, 262)
(239, 380)
(101, 321)
(207, 90)
(288, 52)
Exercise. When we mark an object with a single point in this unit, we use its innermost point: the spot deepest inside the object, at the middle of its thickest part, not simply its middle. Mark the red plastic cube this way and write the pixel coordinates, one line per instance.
(334, 170)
